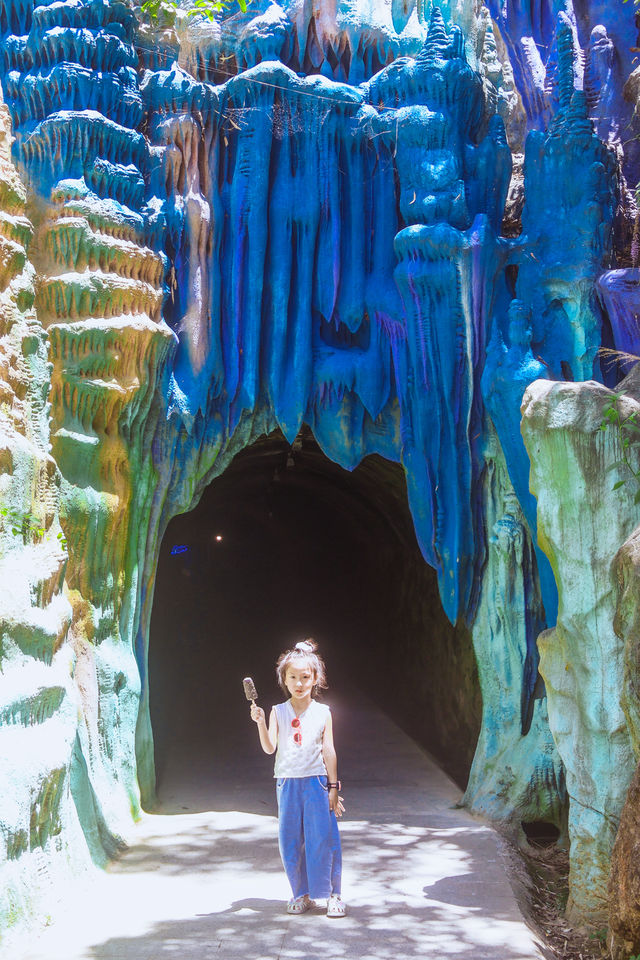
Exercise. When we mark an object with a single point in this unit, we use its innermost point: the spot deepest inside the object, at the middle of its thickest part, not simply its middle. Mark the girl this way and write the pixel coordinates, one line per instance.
(307, 784)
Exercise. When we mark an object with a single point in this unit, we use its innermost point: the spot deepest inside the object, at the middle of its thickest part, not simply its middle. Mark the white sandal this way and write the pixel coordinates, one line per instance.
(300, 904)
(336, 907)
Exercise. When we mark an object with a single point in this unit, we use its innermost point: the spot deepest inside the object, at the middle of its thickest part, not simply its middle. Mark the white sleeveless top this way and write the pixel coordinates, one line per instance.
(300, 759)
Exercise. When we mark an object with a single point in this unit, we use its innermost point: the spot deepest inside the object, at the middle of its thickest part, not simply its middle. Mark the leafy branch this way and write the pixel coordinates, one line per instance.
(628, 431)
(165, 10)
(26, 525)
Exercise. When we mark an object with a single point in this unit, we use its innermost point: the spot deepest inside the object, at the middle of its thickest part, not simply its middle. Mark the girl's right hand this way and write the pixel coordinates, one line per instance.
(257, 714)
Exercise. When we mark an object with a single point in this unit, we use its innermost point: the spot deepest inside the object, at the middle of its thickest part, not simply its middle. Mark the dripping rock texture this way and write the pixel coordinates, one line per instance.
(359, 229)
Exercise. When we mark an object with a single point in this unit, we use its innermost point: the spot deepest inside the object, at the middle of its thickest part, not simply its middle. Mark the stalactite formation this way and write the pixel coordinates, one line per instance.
(379, 225)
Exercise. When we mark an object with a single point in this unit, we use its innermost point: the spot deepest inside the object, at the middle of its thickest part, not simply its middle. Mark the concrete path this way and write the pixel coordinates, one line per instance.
(202, 877)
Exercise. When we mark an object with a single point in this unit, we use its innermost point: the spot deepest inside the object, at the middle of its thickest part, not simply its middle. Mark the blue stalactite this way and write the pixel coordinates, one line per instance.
(286, 200)
(333, 247)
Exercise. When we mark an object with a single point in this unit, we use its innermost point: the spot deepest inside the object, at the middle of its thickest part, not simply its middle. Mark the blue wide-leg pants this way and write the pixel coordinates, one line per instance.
(308, 837)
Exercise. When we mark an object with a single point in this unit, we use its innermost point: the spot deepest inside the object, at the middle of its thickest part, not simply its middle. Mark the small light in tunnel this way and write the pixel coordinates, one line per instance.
(178, 548)
(219, 537)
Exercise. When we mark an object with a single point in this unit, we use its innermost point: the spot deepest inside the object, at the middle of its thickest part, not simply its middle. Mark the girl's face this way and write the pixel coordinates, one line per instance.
(299, 681)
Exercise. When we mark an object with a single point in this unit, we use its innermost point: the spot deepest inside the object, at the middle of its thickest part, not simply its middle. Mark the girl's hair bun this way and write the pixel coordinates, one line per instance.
(303, 650)
(306, 646)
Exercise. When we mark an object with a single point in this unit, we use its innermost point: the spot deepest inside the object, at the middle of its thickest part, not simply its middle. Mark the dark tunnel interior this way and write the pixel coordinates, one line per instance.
(286, 544)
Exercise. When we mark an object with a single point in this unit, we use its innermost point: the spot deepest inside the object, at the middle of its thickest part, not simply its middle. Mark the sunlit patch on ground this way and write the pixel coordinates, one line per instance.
(422, 878)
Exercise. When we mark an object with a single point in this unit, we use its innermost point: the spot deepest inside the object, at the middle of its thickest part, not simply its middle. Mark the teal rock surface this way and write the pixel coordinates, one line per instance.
(582, 522)
(516, 772)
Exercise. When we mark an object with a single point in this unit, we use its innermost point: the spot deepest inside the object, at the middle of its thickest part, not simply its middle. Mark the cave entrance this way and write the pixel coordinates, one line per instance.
(287, 544)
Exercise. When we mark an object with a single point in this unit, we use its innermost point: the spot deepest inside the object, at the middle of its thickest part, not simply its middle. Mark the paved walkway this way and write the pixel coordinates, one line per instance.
(202, 877)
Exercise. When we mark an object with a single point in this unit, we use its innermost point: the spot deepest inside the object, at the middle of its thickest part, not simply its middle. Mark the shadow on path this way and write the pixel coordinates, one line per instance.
(202, 876)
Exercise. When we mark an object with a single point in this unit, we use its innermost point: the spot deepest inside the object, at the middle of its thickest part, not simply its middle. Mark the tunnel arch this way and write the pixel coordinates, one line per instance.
(285, 543)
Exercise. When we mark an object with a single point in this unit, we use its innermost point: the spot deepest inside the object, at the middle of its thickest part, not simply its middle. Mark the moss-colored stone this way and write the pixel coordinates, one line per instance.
(516, 773)
(583, 521)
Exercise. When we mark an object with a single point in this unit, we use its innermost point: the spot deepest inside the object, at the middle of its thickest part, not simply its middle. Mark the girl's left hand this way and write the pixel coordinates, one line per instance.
(335, 803)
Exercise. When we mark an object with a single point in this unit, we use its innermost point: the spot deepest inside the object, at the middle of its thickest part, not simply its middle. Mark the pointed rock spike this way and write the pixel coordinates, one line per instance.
(437, 39)
(566, 54)
(456, 44)
(436, 22)
(496, 130)
(577, 117)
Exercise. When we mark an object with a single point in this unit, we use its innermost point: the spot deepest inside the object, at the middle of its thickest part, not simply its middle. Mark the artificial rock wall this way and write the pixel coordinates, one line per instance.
(583, 521)
(381, 222)
(38, 724)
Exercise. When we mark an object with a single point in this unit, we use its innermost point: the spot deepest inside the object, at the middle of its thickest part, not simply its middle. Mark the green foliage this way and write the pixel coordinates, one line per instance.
(628, 432)
(600, 936)
(26, 525)
(164, 11)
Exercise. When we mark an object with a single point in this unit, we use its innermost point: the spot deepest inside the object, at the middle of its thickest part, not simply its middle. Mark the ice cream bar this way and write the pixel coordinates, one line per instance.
(250, 691)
